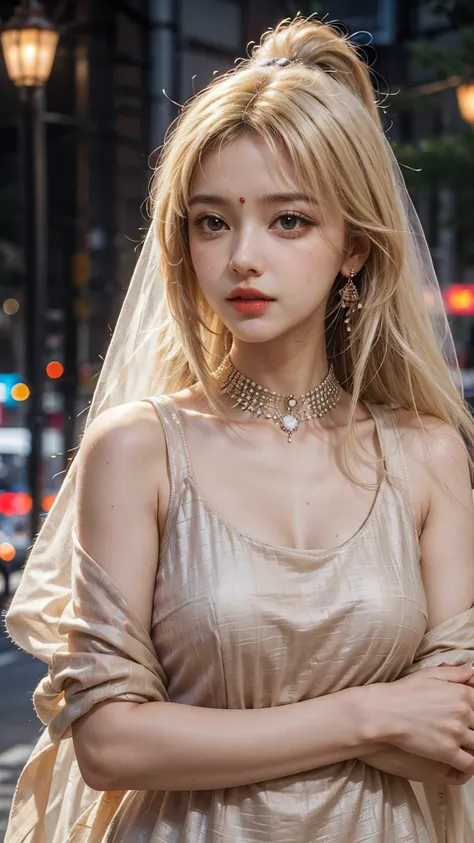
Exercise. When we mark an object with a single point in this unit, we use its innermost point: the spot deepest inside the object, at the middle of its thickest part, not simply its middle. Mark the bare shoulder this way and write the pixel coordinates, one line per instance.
(436, 458)
(121, 463)
(130, 431)
(117, 496)
(427, 439)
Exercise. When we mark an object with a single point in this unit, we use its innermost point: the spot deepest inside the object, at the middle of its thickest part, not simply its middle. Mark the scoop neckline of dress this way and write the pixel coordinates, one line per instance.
(319, 551)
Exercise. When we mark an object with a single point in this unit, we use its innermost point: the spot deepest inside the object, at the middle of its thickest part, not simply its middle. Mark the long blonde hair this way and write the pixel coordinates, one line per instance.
(321, 109)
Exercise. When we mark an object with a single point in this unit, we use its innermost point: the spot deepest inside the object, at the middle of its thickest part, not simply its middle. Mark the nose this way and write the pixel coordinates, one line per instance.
(246, 259)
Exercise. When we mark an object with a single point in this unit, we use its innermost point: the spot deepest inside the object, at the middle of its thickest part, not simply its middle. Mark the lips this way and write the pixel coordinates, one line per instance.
(248, 294)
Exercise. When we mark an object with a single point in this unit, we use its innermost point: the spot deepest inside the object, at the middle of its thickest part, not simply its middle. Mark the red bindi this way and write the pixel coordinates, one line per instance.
(241, 200)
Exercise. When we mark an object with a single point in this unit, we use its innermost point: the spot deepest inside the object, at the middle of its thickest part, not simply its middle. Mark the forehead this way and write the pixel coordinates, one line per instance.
(246, 165)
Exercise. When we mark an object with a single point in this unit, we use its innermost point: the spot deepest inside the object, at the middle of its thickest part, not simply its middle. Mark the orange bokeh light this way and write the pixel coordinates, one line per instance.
(7, 552)
(459, 298)
(54, 369)
(48, 501)
(20, 392)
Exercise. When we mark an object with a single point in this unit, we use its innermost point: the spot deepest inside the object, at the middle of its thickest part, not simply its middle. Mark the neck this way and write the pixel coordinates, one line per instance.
(292, 371)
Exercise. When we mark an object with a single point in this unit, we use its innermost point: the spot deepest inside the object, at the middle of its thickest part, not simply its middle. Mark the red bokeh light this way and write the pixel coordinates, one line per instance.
(54, 370)
(15, 503)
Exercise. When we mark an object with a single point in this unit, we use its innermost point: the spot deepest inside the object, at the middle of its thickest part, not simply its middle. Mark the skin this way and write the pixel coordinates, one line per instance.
(421, 727)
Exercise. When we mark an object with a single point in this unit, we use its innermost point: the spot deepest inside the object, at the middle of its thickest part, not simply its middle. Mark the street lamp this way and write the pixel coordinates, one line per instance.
(465, 96)
(29, 43)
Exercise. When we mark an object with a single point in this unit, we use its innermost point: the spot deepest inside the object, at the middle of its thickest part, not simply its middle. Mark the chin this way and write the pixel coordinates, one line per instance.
(257, 330)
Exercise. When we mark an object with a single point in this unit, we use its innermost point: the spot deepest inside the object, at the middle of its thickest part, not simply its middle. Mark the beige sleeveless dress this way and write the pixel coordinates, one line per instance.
(239, 623)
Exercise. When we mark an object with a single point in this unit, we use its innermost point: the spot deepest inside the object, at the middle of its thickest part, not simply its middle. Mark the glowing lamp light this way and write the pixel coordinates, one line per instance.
(54, 370)
(459, 299)
(7, 552)
(465, 97)
(20, 392)
(29, 44)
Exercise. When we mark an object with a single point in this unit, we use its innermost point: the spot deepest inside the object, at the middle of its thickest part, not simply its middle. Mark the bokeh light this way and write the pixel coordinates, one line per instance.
(15, 503)
(20, 392)
(11, 306)
(7, 552)
(54, 369)
(47, 502)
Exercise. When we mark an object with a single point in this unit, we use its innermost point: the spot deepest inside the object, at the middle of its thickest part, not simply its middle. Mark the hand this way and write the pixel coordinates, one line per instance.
(397, 762)
(470, 682)
(429, 714)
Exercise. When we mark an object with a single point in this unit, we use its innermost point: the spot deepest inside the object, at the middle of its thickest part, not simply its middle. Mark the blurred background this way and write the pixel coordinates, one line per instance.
(81, 110)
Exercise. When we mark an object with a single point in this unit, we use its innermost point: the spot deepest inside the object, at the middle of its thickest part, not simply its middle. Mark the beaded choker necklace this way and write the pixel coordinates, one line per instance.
(285, 410)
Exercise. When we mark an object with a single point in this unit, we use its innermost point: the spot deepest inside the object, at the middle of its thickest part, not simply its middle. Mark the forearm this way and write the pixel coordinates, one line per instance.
(397, 762)
(415, 768)
(169, 746)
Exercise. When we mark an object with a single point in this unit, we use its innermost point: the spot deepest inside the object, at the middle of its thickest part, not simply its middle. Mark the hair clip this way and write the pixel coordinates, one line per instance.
(280, 62)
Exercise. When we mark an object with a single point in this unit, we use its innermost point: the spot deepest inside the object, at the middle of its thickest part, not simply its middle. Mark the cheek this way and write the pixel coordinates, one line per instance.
(206, 268)
(311, 269)
(199, 258)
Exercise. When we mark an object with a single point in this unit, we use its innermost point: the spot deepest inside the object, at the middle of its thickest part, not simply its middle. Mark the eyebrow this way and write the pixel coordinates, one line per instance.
(267, 199)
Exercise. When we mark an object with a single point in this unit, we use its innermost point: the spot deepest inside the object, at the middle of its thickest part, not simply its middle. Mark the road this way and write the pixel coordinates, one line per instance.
(19, 726)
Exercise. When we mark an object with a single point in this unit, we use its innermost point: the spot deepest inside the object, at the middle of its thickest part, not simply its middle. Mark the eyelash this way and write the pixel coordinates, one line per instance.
(290, 234)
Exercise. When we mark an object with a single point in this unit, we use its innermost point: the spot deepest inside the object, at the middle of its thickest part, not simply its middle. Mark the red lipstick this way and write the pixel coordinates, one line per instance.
(249, 300)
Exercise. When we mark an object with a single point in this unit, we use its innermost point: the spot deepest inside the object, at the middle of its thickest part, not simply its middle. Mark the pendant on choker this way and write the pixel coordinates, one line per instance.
(261, 402)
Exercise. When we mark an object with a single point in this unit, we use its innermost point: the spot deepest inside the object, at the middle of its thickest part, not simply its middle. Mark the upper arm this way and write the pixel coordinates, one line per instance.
(447, 537)
(116, 524)
(117, 499)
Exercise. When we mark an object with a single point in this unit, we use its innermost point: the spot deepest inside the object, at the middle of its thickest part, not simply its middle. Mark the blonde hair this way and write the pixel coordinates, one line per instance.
(321, 110)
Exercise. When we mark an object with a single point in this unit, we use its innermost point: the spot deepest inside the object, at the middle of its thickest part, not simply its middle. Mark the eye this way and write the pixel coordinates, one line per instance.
(210, 224)
(292, 222)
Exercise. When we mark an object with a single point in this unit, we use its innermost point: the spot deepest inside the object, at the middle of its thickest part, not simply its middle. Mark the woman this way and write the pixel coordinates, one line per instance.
(213, 676)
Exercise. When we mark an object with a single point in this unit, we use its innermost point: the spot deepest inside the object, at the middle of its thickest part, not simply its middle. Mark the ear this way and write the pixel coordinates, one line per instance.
(356, 255)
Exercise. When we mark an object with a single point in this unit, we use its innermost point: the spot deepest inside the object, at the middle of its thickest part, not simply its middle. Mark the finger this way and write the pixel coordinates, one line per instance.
(468, 741)
(455, 777)
(462, 673)
(463, 761)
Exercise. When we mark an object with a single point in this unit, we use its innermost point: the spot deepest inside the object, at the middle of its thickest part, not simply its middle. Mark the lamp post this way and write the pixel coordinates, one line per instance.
(29, 43)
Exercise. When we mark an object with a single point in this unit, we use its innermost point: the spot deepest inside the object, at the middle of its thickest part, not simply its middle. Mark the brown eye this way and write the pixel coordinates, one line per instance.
(291, 223)
(214, 223)
(288, 223)
(210, 224)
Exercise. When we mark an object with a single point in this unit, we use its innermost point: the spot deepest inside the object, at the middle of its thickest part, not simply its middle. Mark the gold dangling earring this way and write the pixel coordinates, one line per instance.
(349, 297)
